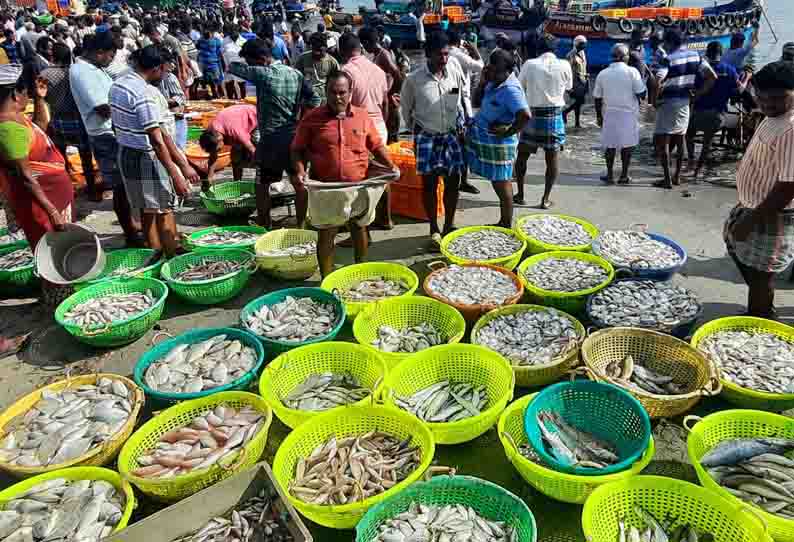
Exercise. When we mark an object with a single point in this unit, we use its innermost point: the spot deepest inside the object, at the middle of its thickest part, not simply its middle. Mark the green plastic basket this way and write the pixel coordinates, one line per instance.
(212, 291)
(508, 262)
(131, 258)
(286, 267)
(19, 279)
(739, 396)
(570, 302)
(22, 242)
(685, 503)
(486, 498)
(534, 246)
(733, 424)
(194, 133)
(119, 332)
(217, 198)
(191, 240)
(404, 312)
(346, 277)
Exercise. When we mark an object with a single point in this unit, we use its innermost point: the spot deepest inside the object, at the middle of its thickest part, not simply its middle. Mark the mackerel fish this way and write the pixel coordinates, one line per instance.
(254, 520)
(445, 402)
(408, 339)
(214, 437)
(638, 377)
(565, 275)
(354, 468)
(226, 237)
(323, 391)
(574, 446)
(302, 249)
(64, 425)
(484, 245)
(452, 523)
(374, 289)
(296, 319)
(653, 530)
(531, 337)
(109, 308)
(209, 269)
(11, 237)
(473, 285)
(752, 359)
(644, 303)
(62, 510)
(191, 368)
(17, 259)
(636, 250)
(555, 230)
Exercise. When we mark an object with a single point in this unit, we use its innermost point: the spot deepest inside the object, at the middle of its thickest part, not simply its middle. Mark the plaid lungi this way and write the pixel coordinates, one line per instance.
(545, 130)
(440, 153)
(146, 180)
(69, 132)
(490, 156)
(769, 247)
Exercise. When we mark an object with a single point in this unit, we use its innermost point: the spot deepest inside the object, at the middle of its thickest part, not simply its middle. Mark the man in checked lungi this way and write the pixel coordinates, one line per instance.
(432, 101)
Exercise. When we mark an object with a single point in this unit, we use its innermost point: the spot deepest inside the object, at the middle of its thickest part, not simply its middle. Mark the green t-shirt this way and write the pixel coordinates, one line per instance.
(15, 141)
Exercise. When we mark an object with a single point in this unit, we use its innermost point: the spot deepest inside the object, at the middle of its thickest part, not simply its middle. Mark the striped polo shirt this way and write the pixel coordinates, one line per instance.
(769, 159)
(678, 70)
(135, 110)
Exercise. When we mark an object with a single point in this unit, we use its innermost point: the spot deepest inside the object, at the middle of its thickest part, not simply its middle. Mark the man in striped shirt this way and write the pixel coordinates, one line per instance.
(759, 233)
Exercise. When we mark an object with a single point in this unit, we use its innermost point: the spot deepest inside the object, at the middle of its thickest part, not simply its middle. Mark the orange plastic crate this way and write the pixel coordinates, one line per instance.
(453, 10)
(692, 13)
(457, 19)
(432, 18)
(642, 13)
(675, 13)
(406, 200)
(614, 13)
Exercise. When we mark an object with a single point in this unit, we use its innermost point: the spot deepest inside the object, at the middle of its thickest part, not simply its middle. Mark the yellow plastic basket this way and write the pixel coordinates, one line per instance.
(286, 267)
(508, 262)
(461, 363)
(559, 486)
(739, 396)
(78, 473)
(570, 302)
(349, 421)
(535, 375)
(535, 246)
(659, 352)
(666, 497)
(404, 312)
(731, 424)
(291, 368)
(342, 279)
(96, 456)
(180, 415)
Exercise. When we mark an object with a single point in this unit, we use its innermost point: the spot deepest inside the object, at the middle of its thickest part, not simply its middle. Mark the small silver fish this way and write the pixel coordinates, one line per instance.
(17, 259)
(319, 392)
(482, 245)
(555, 230)
(208, 268)
(445, 401)
(635, 250)
(100, 311)
(302, 249)
(226, 237)
(374, 289)
(472, 285)
(408, 339)
(565, 275)
(294, 320)
(451, 522)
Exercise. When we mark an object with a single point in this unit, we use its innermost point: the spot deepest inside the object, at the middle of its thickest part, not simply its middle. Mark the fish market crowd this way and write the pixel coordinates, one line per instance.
(567, 342)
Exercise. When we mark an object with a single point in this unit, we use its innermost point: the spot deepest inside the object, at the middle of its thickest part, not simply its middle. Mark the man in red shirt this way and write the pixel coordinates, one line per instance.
(336, 140)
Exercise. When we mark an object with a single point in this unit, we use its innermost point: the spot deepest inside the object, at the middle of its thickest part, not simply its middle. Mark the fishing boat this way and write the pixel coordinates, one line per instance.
(402, 28)
(301, 10)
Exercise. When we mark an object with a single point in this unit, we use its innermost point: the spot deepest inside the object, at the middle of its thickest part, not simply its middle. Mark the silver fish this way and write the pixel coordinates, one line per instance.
(302, 249)
(374, 289)
(586, 450)
(484, 245)
(408, 339)
(445, 401)
(565, 275)
(323, 391)
(634, 375)
(472, 285)
(451, 522)
(555, 230)
(10, 237)
(100, 311)
(635, 250)
(296, 319)
(644, 303)
(17, 259)
(226, 237)
(652, 530)
(209, 269)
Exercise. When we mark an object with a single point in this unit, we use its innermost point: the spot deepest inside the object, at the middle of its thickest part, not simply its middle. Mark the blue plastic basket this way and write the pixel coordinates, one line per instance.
(197, 335)
(318, 294)
(652, 274)
(603, 410)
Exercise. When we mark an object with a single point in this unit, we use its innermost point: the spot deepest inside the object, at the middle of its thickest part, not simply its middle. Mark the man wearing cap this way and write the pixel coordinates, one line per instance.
(788, 52)
(577, 58)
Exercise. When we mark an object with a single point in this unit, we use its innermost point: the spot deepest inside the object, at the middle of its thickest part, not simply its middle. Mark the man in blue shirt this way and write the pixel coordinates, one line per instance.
(737, 55)
(280, 50)
(710, 109)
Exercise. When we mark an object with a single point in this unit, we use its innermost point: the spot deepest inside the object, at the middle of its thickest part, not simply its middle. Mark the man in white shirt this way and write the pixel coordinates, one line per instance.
(545, 80)
(618, 91)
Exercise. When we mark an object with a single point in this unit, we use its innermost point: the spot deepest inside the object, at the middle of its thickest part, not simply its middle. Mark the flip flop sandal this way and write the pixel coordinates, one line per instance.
(625, 180)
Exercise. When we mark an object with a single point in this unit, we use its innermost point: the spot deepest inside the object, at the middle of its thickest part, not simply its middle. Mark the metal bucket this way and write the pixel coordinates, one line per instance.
(69, 256)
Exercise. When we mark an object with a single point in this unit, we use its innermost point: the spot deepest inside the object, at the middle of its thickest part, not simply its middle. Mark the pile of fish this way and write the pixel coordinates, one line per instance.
(565, 275)
(756, 360)
(633, 375)
(130, 269)
(242, 198)
(572, 446)
(295, 319)
(324, 391)
(445, 402)
(211, 438)
(191, 368)
(453, 523)
(756, 471)
(408, 339)
(644, 303)
(374, 289)
(554, 230)
(63, 425)
(110, 308)
(11, 237)
(483, 245)
(636, 250)
(62, 510)
(246, 522)
(17, 259)
(659, 531)
(354, 468)
(208, 270)
(473, 285)
(532, 337)
(303, 249)
(226, 237)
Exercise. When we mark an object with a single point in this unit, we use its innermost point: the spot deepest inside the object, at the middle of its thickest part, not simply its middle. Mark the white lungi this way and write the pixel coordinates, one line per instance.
(621, 130)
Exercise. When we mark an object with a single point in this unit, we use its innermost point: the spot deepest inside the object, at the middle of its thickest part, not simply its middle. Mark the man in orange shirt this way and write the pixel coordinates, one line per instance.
(336, 140)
